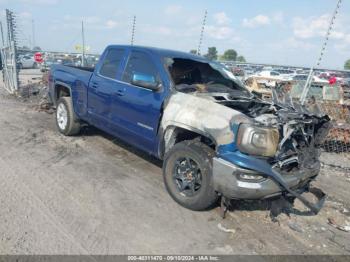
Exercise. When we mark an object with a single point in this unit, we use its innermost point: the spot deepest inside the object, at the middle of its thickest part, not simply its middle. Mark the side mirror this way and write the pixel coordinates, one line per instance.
(145, 81)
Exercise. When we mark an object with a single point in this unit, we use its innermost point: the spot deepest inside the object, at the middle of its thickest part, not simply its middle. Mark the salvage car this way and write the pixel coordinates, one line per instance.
(27, 61)
(216, 139)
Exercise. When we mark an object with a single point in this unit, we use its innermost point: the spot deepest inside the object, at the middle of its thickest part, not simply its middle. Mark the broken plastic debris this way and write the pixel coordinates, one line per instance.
(296, 227)
(226, 230)
(345, 228)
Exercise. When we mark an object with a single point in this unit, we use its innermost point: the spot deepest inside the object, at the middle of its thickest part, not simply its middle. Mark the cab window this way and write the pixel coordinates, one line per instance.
(140, 63)
(111, 63)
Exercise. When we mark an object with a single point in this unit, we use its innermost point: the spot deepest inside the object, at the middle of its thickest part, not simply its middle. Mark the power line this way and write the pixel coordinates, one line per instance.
(133, 30)
(202, 32)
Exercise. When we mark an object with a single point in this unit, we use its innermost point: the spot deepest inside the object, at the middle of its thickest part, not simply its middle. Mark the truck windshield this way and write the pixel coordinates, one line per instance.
(196, 76)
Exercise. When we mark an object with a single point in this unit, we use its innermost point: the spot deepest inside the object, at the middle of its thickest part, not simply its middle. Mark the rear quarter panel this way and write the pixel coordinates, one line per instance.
(77, 81)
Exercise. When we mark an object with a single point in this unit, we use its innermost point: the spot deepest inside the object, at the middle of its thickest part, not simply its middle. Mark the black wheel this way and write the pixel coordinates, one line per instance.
(66, 121)
(187, 172)
(35, 65)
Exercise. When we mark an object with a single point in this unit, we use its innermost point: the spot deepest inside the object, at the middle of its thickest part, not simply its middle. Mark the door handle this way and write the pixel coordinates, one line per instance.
(94, 85)
(120, 92)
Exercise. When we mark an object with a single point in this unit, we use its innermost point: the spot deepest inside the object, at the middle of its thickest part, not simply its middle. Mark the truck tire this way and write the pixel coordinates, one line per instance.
(187, 173)
(67, 122)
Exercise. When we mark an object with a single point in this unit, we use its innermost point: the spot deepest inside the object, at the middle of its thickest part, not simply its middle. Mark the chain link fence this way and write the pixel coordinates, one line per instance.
(9, 70)
(9, 55)
(333, 101)
(338, 139)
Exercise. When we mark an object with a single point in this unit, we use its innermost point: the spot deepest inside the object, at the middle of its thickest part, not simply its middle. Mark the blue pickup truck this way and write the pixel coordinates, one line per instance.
(216, 139)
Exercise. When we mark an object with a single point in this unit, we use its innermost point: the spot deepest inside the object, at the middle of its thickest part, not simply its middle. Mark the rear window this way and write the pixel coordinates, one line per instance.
(111, 63)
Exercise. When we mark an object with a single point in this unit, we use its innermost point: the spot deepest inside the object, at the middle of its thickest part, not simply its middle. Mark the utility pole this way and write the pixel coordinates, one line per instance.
(33, 34)
(324, 45)
(202, 32)
(133, 30)
(83, 38)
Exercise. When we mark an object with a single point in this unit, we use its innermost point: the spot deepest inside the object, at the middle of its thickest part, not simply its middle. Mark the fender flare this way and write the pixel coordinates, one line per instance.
(59, 83)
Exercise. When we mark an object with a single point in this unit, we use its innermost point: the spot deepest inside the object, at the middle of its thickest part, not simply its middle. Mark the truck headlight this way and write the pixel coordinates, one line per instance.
(256, 140)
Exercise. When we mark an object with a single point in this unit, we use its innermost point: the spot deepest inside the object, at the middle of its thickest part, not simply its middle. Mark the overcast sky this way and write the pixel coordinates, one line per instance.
(265, 31)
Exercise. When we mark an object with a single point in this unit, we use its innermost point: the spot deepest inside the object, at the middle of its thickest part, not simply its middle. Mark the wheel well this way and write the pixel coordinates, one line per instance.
(174, 135)
(62, 91)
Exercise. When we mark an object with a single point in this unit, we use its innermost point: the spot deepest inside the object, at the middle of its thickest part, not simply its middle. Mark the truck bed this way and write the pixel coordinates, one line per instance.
(84, 68)
(69, 74)
(76, 77)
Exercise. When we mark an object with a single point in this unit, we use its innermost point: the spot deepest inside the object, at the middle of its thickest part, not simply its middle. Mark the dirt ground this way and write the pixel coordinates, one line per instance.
(93, 194)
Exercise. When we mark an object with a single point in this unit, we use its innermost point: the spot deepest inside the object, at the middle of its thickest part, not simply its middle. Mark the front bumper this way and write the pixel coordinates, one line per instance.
(227, 181)
(229, 165)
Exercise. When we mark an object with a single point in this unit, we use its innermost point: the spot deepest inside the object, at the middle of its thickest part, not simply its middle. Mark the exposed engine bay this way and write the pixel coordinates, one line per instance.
(195, 76)
(300, 132)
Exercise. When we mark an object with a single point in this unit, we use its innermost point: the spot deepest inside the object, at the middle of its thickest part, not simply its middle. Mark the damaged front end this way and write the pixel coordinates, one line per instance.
(275, 152)
(263, 149)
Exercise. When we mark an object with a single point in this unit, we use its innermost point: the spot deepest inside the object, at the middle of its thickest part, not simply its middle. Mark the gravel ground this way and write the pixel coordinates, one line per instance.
(93, 194)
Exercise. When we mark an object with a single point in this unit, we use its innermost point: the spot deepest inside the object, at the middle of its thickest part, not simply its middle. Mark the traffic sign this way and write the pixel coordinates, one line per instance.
(38, 57)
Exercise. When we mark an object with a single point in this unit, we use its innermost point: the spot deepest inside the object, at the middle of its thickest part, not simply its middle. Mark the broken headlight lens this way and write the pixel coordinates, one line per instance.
(256, 140)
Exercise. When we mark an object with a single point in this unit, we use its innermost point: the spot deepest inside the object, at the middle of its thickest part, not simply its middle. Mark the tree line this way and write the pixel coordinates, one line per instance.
(228, 55)
(347, 65)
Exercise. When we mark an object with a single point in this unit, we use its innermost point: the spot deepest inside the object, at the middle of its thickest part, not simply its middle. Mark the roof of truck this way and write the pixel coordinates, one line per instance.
(162, 52)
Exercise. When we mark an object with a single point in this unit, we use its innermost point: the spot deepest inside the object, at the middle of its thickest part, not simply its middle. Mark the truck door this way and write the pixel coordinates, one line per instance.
(135, 108)
(102, 88)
